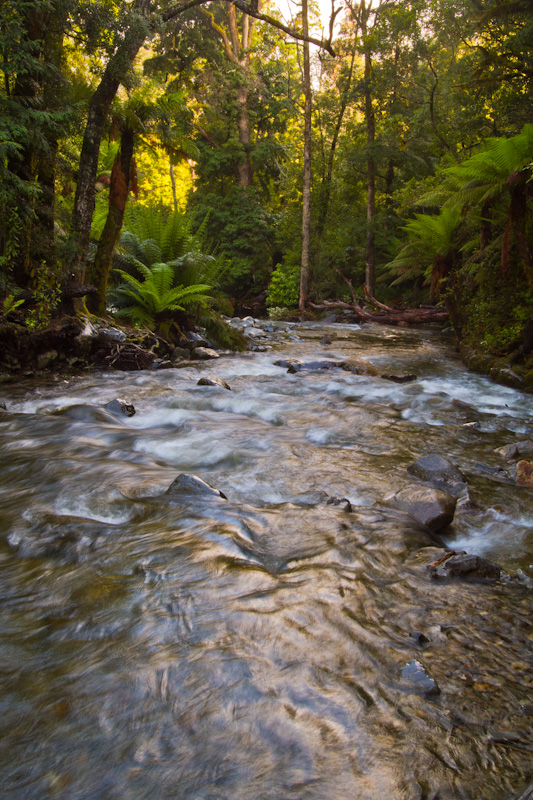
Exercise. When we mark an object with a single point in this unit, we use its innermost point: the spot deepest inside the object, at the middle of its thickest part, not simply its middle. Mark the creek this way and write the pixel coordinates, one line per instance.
(189, 646)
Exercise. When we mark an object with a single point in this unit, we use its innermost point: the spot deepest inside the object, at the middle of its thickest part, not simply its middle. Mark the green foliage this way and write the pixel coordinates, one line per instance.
(153, 300)
(284, 287)
(10, 305)
(242, 226)
(429, 237)
(46, 298)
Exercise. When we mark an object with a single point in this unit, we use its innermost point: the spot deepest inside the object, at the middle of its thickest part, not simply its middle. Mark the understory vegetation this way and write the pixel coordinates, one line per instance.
(155, 152)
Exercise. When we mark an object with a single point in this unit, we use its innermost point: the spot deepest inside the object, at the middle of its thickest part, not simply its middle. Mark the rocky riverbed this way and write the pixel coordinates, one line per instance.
(282, 573)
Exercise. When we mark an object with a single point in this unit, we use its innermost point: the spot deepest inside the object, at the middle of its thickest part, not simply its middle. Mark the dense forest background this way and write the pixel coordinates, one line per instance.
(155, 151)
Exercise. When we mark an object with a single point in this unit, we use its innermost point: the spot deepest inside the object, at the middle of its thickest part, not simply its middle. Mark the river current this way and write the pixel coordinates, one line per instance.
(174, 645)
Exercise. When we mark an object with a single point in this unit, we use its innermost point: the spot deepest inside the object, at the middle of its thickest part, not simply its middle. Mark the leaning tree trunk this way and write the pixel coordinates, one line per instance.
(306, 188)
(114, 73)
(118, 195)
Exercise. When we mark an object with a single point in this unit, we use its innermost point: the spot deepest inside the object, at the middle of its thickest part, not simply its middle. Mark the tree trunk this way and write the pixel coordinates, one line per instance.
(370, 252)
(325, 189)
(118, 195)
(114, 73)
(306, 188)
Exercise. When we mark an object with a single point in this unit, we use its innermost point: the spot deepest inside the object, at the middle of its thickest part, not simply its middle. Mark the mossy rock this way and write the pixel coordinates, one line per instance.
(528, 381)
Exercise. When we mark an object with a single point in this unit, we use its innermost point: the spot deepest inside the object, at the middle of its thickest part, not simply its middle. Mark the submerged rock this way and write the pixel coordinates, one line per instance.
(359, 367)
(524, 473)
(213, 382)
(433, 508)
(436, 470)
(121, 407)
(192, 484)
(400, 378)
(415, 674)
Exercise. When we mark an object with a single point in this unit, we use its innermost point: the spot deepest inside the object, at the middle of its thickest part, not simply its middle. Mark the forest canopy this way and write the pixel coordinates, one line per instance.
(420, 140)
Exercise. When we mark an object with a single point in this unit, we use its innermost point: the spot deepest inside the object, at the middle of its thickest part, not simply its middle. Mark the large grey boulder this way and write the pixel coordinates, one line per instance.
(431, 507)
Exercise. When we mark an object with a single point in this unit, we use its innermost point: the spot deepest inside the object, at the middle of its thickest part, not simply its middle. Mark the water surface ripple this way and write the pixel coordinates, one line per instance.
(176, 646)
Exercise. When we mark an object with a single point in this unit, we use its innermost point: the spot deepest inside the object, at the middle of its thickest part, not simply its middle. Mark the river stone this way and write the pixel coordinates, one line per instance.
(192, 484)
(466, 565)
(213, 382)
(419, 678)
(179, 353)
(509, 451)
(196, 339)
(3, 407)
(525, 448)
(436, 470)
(358, 366)
(121, 407)
(111, 335)
(400, 378)
(203, 353)
(45, 359)
(85, 413)
(524, 473)
(431, 507)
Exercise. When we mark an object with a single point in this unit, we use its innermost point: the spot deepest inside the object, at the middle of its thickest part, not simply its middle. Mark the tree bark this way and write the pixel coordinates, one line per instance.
(325, 189)
(306, 188)
(118, 195)
(370, 247)
(114, 73)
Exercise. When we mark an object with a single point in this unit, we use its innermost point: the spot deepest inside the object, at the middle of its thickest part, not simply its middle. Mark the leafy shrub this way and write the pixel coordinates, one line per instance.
(284, 287)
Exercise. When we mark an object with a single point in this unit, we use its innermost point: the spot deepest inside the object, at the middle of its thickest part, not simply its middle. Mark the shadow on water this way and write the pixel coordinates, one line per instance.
(270, 645)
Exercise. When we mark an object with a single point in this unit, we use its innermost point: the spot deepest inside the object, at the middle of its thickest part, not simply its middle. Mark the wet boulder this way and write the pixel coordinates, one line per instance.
(524, 473)
(508, 451)
(213, 382)
(464, 565)
(194, 339)
(3, 407)
(179, 353)
(400, 378)
(192, 484)
(45, 359)
(203, 353)
(120, 407)
(359, 367)
(431, 507)
(111, 335)
(438, 471)
(82, 412)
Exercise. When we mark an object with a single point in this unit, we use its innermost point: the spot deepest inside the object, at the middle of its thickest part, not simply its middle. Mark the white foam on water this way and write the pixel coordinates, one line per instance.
(187, 451)
(319, 435)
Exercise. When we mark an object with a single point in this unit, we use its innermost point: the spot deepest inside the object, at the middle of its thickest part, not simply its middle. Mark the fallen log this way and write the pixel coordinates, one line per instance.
(390, 316)
(409, 316)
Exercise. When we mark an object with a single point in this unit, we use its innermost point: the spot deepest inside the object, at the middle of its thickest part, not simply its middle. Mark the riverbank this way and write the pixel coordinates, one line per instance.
(71, 345)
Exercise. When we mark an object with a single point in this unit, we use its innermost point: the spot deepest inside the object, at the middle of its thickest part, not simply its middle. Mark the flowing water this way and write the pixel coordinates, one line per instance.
(254, 648)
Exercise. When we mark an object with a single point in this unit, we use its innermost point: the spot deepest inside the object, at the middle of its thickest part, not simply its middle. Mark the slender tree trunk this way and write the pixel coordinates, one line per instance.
(173, 182)
(118, 195)
(306, 189)
(370, 254)
(325, 189)
(243, 122)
